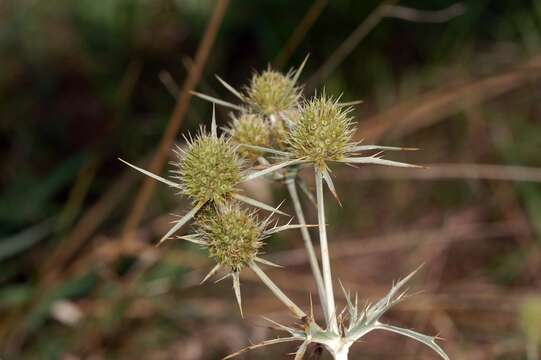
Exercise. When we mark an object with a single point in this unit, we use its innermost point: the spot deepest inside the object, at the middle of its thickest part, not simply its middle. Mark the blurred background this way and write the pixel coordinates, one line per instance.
(83, 82)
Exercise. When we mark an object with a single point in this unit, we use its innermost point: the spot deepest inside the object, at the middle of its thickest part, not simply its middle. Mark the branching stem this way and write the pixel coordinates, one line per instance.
(314, 263)
(276, 291)
(342, 354)
(325, 259)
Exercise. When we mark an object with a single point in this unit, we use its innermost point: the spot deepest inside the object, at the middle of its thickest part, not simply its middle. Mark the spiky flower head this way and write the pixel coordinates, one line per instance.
(322, 131)
(209, 169)
(271, 92)
(233, 235)
(250, 129)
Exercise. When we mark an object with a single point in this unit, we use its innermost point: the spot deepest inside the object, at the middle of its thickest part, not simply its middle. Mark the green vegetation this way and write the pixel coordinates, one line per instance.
(84, 82)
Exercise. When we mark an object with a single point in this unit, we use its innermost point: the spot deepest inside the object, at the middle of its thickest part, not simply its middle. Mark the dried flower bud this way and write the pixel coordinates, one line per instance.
(322, 131)
(233, 235)
(252, 130)
(209, 169)
(271, 92)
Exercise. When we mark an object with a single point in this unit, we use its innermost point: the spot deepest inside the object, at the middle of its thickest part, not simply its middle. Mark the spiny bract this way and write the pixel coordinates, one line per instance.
(279, 130)
(271, 92)
(209, 169)
(233, 235)
(322, 131)
(250, 129)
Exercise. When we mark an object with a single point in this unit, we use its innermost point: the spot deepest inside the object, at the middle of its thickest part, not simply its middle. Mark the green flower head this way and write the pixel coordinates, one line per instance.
(271, 92)
(322, 131)
(209, 169)
(233, 235)
(250, 129)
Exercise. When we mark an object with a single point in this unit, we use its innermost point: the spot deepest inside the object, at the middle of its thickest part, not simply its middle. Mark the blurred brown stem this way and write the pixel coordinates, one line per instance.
(385, 9)
(435, 105)
(414, 15)
(349, 45)
(300, 32)
(93, 217)
(175, 121)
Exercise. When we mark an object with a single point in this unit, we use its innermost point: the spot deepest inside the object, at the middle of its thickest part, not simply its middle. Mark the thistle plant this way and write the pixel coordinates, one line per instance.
(209, 170)
(271, 93)
(274, 133)
(234, 238)
(250, 129)
(271, 96)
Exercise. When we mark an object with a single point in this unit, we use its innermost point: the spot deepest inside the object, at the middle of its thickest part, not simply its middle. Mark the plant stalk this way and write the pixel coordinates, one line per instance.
(338, 347)
(276, 291)
(325, 259)
(312, 257)
(342, 354)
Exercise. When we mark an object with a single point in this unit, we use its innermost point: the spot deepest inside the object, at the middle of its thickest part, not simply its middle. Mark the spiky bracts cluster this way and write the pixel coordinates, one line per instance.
(272, 124)
(322, 131)
(209, 169)
(279, 130)
(233, 235)
(250, 129)
(271, 92)
(355, 323)
(271, 95)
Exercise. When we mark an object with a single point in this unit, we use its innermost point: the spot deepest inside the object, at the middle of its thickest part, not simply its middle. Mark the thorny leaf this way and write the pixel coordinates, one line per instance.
(258, 204)
(152, 175)
(262, 344)
(369, 319)
(429, 341)
(216, 100)
(211, 273)
(181, 222)
(236, 288)
(271, 169)
(330, 184)
(230, 88)
(377, 161)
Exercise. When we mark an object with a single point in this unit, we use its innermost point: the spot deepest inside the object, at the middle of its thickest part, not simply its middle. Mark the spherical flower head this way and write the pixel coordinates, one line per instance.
(233, 235)
(271, 92)
(322, 131)
(209, 169)
(250, 129)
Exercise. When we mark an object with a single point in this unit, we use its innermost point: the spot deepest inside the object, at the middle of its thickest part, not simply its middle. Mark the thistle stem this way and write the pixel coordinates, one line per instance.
(342, 354)
(276, 291)
(325, 259)
(314, 263)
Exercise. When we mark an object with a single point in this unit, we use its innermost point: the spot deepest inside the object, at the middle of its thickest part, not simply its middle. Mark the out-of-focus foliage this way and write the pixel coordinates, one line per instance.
(80, 86)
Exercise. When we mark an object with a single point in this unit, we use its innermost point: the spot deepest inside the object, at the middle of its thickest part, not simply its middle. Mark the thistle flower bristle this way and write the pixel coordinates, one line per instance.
(271, 92)
(250, 129)
(279, 131)
(209, 169)
(322, 131)
(233, 235)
